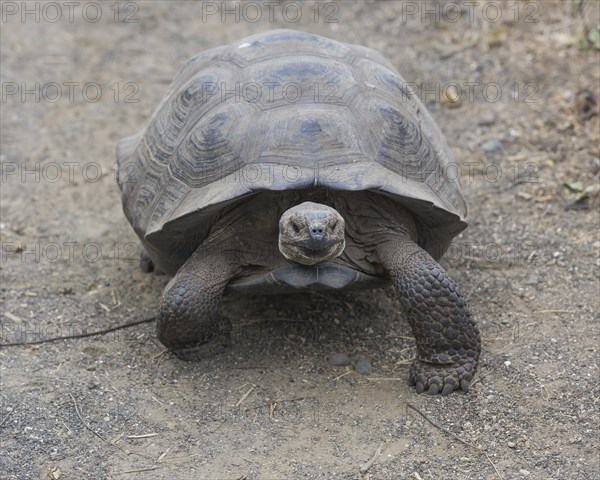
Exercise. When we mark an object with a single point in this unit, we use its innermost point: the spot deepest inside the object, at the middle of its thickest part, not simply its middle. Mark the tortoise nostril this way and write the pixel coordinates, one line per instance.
(317, 232)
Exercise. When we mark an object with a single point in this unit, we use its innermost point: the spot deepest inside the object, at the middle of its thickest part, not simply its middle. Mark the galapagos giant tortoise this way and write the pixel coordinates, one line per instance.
(288, 161)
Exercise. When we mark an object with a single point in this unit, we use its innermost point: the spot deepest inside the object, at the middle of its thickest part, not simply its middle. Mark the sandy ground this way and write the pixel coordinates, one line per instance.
(116, 406)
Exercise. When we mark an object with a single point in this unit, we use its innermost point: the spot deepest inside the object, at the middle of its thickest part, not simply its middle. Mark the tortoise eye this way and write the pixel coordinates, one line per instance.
(334, 225)
(295, 227)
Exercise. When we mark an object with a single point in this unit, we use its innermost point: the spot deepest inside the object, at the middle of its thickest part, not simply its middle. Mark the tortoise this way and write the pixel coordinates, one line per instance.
(286, 162)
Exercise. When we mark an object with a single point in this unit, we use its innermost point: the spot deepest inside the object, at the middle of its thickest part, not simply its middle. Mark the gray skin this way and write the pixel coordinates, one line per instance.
(363, 235)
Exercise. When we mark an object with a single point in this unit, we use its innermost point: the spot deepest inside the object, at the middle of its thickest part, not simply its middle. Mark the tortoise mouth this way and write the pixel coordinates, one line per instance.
(305, 255)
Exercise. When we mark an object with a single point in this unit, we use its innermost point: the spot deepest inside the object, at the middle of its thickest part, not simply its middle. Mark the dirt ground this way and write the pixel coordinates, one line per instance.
(118, 407)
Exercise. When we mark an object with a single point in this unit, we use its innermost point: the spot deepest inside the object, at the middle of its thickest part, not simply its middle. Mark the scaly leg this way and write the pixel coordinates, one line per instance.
(188, 323)
(448, 343)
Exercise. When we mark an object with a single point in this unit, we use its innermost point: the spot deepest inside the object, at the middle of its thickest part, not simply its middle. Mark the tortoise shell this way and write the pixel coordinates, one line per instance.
(283, 110)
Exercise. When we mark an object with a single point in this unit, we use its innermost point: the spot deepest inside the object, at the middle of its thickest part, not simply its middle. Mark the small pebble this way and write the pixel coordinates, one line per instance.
(486, 119)
(451, 97)
(524, 472)
(532, 280)
(568, 96)
(339, 360)
(512, 445)
(585, 103)
(364, 366)
(492, 146)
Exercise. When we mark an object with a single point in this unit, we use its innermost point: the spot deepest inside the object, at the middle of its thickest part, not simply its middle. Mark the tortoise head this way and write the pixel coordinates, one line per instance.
(311, 233)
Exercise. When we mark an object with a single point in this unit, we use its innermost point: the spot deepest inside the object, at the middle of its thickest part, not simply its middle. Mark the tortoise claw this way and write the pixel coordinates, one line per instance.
(433, 389)
(437, 379)
(448, 389)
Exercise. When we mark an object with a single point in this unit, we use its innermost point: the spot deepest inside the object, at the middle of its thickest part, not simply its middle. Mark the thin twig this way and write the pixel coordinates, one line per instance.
(542, 386)
(145, 435)
(83, 423)
(141, 470)
(365, 468)
(80, 335)
(553, 311)
(495, 469)
(447, 55)
(245, 396)
(439, 427)
(479, 378)
(163, 455)
(394, 379)
(342, 375)
(6, 417)
(218, 428)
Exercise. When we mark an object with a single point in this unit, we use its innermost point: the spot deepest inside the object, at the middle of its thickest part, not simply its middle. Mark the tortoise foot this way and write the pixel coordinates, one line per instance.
(436, 379)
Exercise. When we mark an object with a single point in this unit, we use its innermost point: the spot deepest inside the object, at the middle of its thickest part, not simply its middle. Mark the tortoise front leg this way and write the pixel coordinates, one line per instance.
(448, 343)
(188, 323)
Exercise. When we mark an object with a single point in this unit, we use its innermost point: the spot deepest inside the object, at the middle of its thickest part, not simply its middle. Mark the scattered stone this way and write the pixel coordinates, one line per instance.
(512, 445)
(568, 96)
(497, 37)
(585, 103)
(486, 119)
(451, 97)
(524, 472)
(492, 146)
(55, 473)
(339, 360)
(524, 195)
(364, 366)
(532, 280)
(563, 40)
